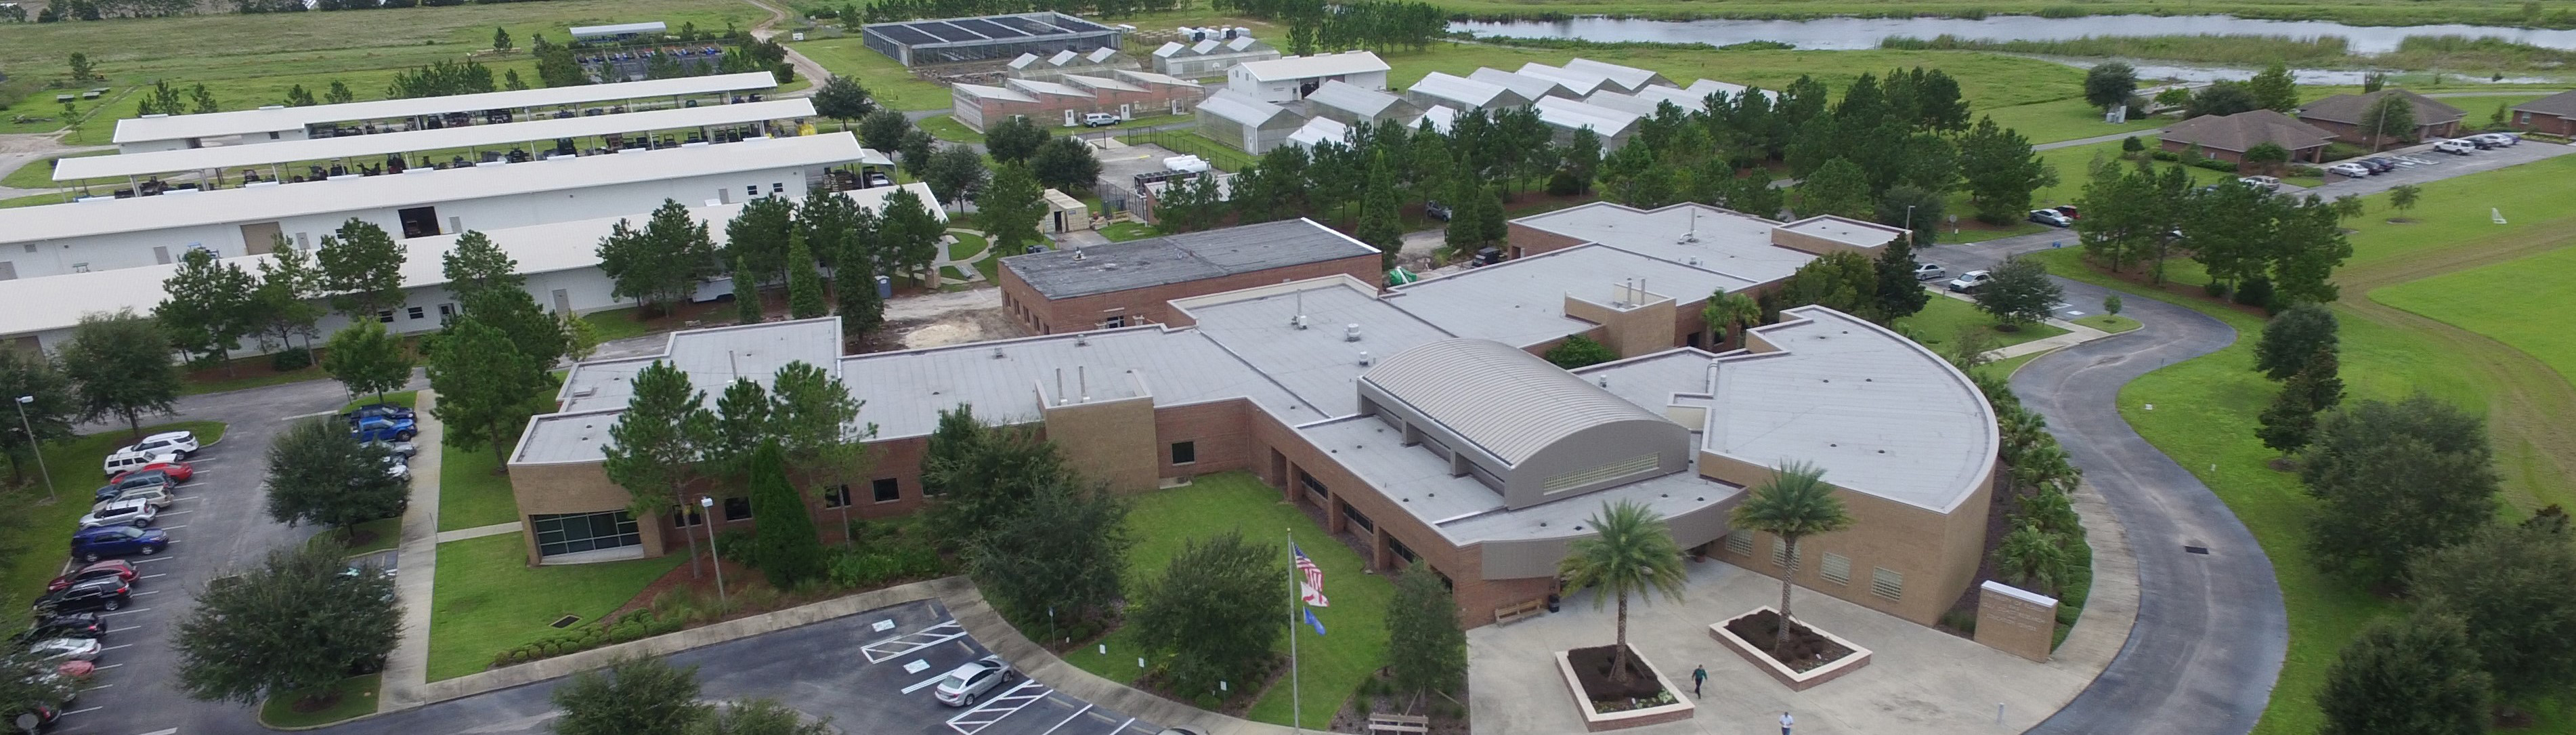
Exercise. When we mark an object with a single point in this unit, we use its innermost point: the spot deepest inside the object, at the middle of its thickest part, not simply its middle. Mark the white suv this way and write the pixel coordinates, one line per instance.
(137, 513)
(181, 443)
(2456, 147)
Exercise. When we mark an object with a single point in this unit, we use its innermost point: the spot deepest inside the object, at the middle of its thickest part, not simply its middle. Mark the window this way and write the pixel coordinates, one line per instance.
(888, 490)
(1837, 568)
(413, 312)
(1185, 452)
(685, 515)
(80, 267)
(737, 508)
(1780, 554)
(1887, 584)
(751, 190)
(836, 496)
(1740, 543)
(777, 187)
(578, 532)
(1356, 518)
(446, 310)
(272, 135)
(385, 315)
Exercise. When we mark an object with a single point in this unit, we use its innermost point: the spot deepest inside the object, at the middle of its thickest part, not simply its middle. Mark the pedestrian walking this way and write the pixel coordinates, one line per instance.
(1785, 722)
(1698, 676)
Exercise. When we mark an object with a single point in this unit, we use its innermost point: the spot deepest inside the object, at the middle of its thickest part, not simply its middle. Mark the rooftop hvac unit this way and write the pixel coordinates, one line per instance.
(1298, 321)
(1351, 333)
(584, 392)
(1364, 358)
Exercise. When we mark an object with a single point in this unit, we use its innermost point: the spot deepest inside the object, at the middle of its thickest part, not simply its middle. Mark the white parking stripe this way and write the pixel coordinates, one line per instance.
(174, 528)
(109, 666)
(147, 592)
(126, 628)
(127, 611)
(148, 561)
(925, 682)
(166, 514)
(117, 646)
(154, 576)
(1086, 707)
(171, 731)
(96, 688)
(81, 710)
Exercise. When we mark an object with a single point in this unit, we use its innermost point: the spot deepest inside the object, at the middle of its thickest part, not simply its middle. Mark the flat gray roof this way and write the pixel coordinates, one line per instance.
(216, 124)
(1465, 511)
(1505, 400)
(1319, 363)
(1524, 304)
(1188, 256)
(1692, 234)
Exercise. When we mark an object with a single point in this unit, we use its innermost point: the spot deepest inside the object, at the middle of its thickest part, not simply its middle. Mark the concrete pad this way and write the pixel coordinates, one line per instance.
(1920, 681)
(407, 669)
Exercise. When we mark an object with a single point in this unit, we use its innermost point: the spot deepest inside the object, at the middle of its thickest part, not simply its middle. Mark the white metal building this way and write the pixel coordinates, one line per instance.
(1239, 120)
(276, 123)
(106, 234)
(1437, 89)
(1294, 77)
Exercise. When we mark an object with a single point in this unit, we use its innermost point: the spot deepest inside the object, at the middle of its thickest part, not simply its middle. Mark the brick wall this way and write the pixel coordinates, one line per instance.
(1152, 305)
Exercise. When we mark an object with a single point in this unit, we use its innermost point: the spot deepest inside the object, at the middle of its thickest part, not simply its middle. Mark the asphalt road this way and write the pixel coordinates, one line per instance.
(2211, 630)
(219, 525)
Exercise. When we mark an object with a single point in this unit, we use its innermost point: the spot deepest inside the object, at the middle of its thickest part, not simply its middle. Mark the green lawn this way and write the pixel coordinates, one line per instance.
(2108, 323)
(1124, 231)
(2506, 301)
(2004, 368)
(2066, 119)
(357, 698)
(405, 399)
(32, 200)
(33, 535)
(2204, 418)
(949, 129)
(386, 534)
(469, 494)
(1333, 665)
(966, 245)
(489, 600)
(250, 60)
(887, 81)
(1941, 319)
(616, 324)
(2532, 196)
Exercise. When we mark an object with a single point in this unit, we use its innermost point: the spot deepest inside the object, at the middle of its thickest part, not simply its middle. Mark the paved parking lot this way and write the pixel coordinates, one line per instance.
(871, 673)
(2419, 164)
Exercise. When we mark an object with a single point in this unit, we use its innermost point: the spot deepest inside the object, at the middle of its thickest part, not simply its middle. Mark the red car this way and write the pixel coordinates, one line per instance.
(111, 567)
(178, 471)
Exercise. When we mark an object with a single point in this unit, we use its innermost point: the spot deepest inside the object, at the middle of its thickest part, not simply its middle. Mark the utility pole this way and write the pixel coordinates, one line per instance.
(34, 446)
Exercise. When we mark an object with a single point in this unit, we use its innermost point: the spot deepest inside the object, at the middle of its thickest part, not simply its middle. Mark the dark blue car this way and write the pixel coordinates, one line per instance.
(383, 430)
(93, 544)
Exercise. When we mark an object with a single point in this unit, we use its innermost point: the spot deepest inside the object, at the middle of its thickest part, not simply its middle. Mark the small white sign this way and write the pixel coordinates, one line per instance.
(915, 666)
(882, 626)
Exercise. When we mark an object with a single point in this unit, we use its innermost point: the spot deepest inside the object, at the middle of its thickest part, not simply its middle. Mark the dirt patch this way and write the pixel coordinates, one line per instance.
(1592, 672)
(952, 328)
(1446, 711)
(735, 574)
(1806, 650)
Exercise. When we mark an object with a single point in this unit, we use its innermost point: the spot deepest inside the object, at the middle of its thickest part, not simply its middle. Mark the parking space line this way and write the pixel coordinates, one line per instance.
(176, 513)
(96, 688)
(126, 628)
(993, 710)
(151, 560)
(170, 731)
(104, 668)
(174, 528)
(147, 592)
(81, 710)
(117, 646)
(925, 682)
(907, 643)
(124, 612)
(1122, 727)
(153, 576)
(1086, 707)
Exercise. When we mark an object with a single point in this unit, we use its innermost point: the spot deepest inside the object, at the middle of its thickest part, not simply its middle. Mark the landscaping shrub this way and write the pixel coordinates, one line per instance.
(2165, 155)
(735, 544)
(290, 359)
(1563, 184)
(2216, 165)
(2256, 291)
(2215, 289)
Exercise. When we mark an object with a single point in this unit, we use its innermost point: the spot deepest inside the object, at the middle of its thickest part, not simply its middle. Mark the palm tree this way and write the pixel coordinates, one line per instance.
(1634, 552)
(1794, 504)
(1728, 311)
(2033, 556)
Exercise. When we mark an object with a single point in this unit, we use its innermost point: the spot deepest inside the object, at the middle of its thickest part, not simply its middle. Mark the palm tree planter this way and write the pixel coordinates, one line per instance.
(1633, 552)
(1794, 504)
(1841, 656)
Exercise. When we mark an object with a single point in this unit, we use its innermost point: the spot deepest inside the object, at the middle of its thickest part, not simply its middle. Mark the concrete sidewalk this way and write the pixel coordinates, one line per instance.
(407, 670)
(478, 532)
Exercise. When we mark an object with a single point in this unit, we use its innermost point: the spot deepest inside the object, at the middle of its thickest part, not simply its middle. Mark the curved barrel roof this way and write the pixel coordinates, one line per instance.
(1504, 399)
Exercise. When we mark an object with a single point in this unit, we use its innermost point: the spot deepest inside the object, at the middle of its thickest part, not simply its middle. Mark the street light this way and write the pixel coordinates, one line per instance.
(707, 505)
(34, 446)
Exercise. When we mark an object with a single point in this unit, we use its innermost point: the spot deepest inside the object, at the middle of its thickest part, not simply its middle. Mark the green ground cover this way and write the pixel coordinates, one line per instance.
(1332, 665)
(947, 128)
(470, 495)
(488, 599)
(2532, 196)
(2066, 119)
(887, 81)
(615, 324)
(356, 698)
(250, 60)
(33, 535)
(2004, 368)
(2204, 416)
(966, 245)
(2107, 322)
(379, 534)
(1941, 319)
(1124, 231)
(2505, 301)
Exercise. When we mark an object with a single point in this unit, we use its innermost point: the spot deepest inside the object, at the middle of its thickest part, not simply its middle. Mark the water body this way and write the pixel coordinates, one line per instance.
(1844, 34)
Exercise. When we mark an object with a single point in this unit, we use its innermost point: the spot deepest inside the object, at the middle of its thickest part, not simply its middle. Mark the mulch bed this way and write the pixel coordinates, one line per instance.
(1592, 670)
(311, 705)
(737, 577)
(1806, 651)
(1447, 711)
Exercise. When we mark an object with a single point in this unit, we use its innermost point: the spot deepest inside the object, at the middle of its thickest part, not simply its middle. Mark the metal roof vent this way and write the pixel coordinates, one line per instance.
(1298, 321)
(1351, 333)
(1364, 358)
(1081, 340)
(585, 392)
(1605, 381)
(997, 353)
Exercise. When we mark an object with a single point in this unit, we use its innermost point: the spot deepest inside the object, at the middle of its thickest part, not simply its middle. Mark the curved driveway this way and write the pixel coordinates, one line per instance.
(2211, 631)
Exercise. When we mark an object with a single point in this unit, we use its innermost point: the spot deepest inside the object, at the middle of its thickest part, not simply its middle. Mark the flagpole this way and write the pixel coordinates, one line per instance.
(1296, 713)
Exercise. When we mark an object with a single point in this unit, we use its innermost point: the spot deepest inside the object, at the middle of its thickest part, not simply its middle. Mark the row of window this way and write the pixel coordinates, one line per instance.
(1835, 568)
(884, 490)
(415, 312)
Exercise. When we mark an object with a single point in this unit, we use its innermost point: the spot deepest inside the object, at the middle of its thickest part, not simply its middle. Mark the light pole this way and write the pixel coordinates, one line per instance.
(35, 447)
(707, 505)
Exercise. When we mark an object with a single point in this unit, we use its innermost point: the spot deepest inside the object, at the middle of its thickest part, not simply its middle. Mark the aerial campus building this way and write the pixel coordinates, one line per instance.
(559, 259)
(1417, 422)
(281, 123)
(948, 40)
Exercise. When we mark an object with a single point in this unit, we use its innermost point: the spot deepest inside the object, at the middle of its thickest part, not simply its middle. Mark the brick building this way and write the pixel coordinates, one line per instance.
(1419, 424)
(1123, 93)
(2554, 114)
(2228, 137)
(1129, 283)
(2342, 115)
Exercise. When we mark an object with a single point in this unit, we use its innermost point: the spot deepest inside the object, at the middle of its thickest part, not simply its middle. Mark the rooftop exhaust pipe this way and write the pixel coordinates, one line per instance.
(1351, 333)
(1364, 358)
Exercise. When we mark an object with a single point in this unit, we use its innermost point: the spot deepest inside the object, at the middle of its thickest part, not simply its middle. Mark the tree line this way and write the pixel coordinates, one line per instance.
(2267, 250)
(887, 11)
(777, 240)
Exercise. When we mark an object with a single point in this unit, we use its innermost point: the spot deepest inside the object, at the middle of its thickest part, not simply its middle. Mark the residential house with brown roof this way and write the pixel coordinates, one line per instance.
(2227, 137)
(2554, 114)
(2342, 114)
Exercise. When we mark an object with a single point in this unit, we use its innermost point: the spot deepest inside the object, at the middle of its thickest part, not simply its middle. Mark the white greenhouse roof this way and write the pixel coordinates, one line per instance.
(174, 127)
(1467, 93)
(1308, 67)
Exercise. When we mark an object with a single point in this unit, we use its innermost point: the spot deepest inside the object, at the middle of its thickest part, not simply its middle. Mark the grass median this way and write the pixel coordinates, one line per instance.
(488, 600)
(470, 493)
(1942, 319)
(1332, 665)
(35, 537)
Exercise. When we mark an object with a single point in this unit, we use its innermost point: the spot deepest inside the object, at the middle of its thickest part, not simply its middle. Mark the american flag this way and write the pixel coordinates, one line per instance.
(1312, 589)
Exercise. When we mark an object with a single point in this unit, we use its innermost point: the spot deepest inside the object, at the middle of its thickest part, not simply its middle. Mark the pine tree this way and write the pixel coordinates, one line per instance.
(746, 293)
(785, 548)
(486, 389)
(1011, 208)
(804, 283)
(1378, 225)
(854, 277)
